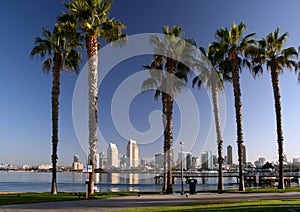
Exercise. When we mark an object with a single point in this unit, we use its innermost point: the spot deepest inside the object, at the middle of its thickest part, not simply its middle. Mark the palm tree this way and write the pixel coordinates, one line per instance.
(214, 80)
(60, 51)
(270, 52)
(168, 77)
(231, 47)
(93, 19)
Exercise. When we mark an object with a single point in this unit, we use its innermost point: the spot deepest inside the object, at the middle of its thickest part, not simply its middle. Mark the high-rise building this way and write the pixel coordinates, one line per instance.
(76, 165)
(244, 154)
(112, 156)
(215, 160)
(132, 154)
(159, 161)
(143, 162)
(123, 161)
(102, 161)
(186, 160)
(195, 162)
(76, 158)
(207, 160)
(229, 155)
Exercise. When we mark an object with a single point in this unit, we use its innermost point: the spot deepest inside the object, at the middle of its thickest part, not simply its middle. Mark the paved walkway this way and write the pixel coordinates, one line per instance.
(142, 201)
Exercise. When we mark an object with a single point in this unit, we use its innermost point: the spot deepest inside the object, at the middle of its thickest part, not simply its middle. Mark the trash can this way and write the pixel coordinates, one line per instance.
(193, 185)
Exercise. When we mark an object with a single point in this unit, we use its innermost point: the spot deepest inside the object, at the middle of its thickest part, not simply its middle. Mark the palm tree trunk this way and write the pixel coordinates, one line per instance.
(92, 51)
(169, 149)
(170, 66)
(164, 118)
(55, 113)
(238, 115)
(215, 96)
(276, 91)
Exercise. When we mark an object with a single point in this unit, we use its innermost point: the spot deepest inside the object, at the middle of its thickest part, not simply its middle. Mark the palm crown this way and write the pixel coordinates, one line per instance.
(170, 47)
(93, 17)
(270, 51)
(62, 43)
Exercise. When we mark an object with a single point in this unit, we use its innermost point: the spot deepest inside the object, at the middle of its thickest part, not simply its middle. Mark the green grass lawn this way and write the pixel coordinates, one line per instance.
(255, 190)
(21, 198)
(261, 205)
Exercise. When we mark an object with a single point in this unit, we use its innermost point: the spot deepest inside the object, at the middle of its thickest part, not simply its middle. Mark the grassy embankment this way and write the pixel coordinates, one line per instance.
(257, 205)
(22, 198)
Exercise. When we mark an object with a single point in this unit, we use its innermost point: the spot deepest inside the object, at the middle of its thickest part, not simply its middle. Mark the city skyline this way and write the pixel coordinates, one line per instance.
(25, 90)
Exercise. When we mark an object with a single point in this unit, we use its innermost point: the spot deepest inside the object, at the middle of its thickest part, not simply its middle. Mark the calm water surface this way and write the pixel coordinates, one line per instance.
(74, 181)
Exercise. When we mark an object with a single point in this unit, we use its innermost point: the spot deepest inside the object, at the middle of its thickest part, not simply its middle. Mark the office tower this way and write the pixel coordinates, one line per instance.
(102, 161)
(112, 156)
(123, 161)
(132, 154)
(159, 161)
(76, 158)
(229, 155)
(195, 162)
(76, 165)
(143, 162)
(206, 160)
(215, 160)
(244, 154)
(186, 160)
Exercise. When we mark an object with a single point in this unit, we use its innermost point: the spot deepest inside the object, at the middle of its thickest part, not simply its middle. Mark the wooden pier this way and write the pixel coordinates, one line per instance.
(251, 179)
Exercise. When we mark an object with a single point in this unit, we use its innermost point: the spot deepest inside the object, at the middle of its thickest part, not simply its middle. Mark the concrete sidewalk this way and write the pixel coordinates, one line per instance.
(143, 201)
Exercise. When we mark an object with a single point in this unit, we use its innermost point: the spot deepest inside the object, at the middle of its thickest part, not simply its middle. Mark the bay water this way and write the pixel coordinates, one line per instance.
(11, 181)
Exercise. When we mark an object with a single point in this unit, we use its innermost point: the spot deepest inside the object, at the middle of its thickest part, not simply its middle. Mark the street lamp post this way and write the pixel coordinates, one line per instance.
(181, 149)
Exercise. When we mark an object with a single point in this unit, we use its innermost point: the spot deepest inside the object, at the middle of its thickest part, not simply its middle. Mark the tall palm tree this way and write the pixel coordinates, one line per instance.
(93, 19)
(60, 51)
(230, 47)
(168, 77)
(271, 52)
(214, 79)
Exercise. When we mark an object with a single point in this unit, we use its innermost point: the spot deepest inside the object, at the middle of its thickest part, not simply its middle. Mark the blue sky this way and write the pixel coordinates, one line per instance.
(25, 123)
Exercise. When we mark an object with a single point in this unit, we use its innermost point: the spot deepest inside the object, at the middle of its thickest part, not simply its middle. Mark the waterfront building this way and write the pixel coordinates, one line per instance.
(159, 161)
(143, 162)
(186, 158)
(229, 155)
(206, 160)
(215, 160)
(102, 161)
(76, 158)
(195, 163)
(123, 161)
(296, 160)
(76, 165)
(112, 156)
(132, 154)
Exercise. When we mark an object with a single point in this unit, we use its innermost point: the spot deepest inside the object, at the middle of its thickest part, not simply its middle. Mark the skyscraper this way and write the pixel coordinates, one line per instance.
(186, 159)
(206, 160)
(159, 161)
(76, 165)
(112, 156)
(195, 162)
(229, 155)
(132, 154)
(102, 161)
(76, 158)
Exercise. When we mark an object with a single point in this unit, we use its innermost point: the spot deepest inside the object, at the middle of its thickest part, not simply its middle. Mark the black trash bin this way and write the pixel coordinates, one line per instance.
(193, 186)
